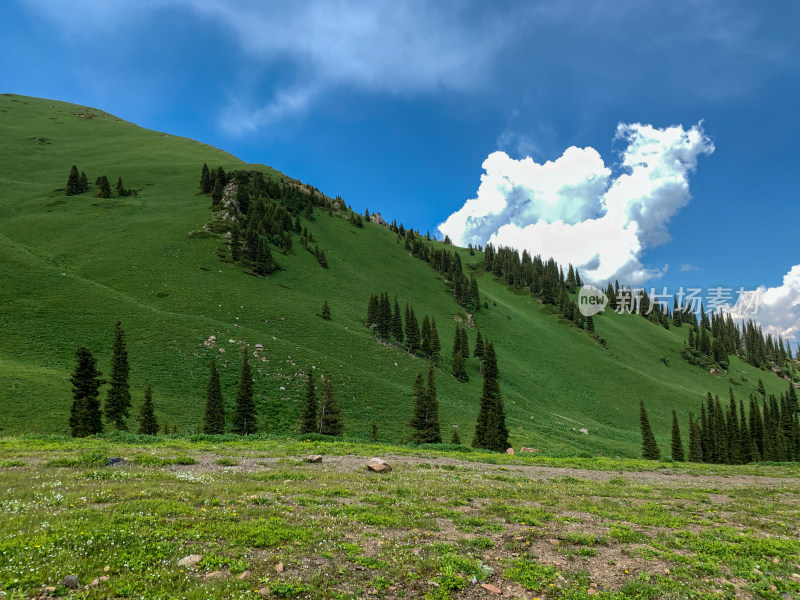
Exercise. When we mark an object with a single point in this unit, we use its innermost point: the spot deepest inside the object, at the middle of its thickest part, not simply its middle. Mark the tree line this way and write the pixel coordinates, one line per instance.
(769, 430)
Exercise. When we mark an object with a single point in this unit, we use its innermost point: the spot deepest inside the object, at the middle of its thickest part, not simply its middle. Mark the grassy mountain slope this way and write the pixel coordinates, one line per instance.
(74, 265)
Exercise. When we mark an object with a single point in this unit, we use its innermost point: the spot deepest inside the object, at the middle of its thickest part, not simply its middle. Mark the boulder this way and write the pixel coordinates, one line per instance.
(190, 561)
(70, 581)
(378, 465)
(509, 451)
(313, 458)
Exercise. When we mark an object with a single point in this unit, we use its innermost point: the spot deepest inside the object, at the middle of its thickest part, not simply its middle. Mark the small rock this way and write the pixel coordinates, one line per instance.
(259, 346)
(591, 591)
(509, 451)
(95, 582)
(70, 581)
(490, 588)
(417, 551)
(49, 590)
(279, 567)
(222, 350)
(795, 576)
(378, 465)
(103, 578)
(666, 571)
(215, 575)
(392, 588)
(313, 458)
(553, 542)
(244, 575)
(584, 431)
(190, 561)
(433, 584)
(117, 460)
(263, 592)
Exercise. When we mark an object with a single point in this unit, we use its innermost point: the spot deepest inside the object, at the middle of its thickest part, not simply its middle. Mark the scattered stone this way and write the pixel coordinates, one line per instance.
(94, 582)
(222, 350)
(244, 575)
(417, 551)
(190, 561)
(279, 567)
(433, 584)
(666, 571)
(795, 576)
(215, 575)
(117, 460)
(491, 589)
(553, 542)
(49, 590)
(509, 451)
(313, 458)
(524, 449)
(263, 592)
(378, 465)
(70, 581)
(259, 346)
(584, 431)
(591, 591)
(392, 588)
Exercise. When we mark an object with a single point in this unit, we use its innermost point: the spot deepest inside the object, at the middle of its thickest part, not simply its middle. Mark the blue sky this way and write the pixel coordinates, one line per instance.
(396, 105)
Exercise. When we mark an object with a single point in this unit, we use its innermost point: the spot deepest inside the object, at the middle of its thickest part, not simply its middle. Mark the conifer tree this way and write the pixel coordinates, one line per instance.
(417, 421)
(459, 367)
(412, 332)
(425, 419)
(384, 316)
(436, 346)
(216, 192)
(330, 422)
(214, 415)
(148, 425)
(372, 311)
(425, 344)
(84, 183)
(244, 410)
(464, 344)
(73, 182)
(695, 447)
(745, 440)
(677, 443)
(490, 430)
(326, 311)
(104, 188)
(205, 179)
(309, 424)
(397, 323)
(118, 401)
(650, 449)
(590, 324)
(478, 352)
(455, 439)
(85, 417)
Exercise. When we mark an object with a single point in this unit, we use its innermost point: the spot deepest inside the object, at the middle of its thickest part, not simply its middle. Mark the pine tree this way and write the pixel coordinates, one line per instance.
(384, 316)
(478, 352)
(490, 430)
(397, 323)
(121, 191)
(148, 425)
(326, 311)
(425, 344)
(412, 332)
(84, 183)
(650, 449)
(205, 179)
(695, 447)
(372, 311)
(85, 417)
(590, 324)
(330, 422)
(73, 182)
(308, 423)
(677, 443)
(464, 343)
(214, 416)
(104, 188)
(118, 401)
(459, 368)
(244, 410)
(426, 411)
(455, 439)
(436, 346)
(216, 192)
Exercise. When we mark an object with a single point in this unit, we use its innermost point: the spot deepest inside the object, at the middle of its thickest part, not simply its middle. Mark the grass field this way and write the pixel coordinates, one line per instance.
(439, 525)
(72, 266)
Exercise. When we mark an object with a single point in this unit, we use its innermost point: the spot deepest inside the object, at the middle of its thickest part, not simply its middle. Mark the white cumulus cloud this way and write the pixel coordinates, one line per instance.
(777, 309)
(574, 210)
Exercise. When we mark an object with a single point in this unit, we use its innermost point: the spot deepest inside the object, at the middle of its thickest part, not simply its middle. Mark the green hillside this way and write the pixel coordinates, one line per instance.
(73, 265)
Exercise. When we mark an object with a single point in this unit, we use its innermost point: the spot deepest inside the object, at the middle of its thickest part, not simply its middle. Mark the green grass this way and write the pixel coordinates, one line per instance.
(74, 265)
(341, 532)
